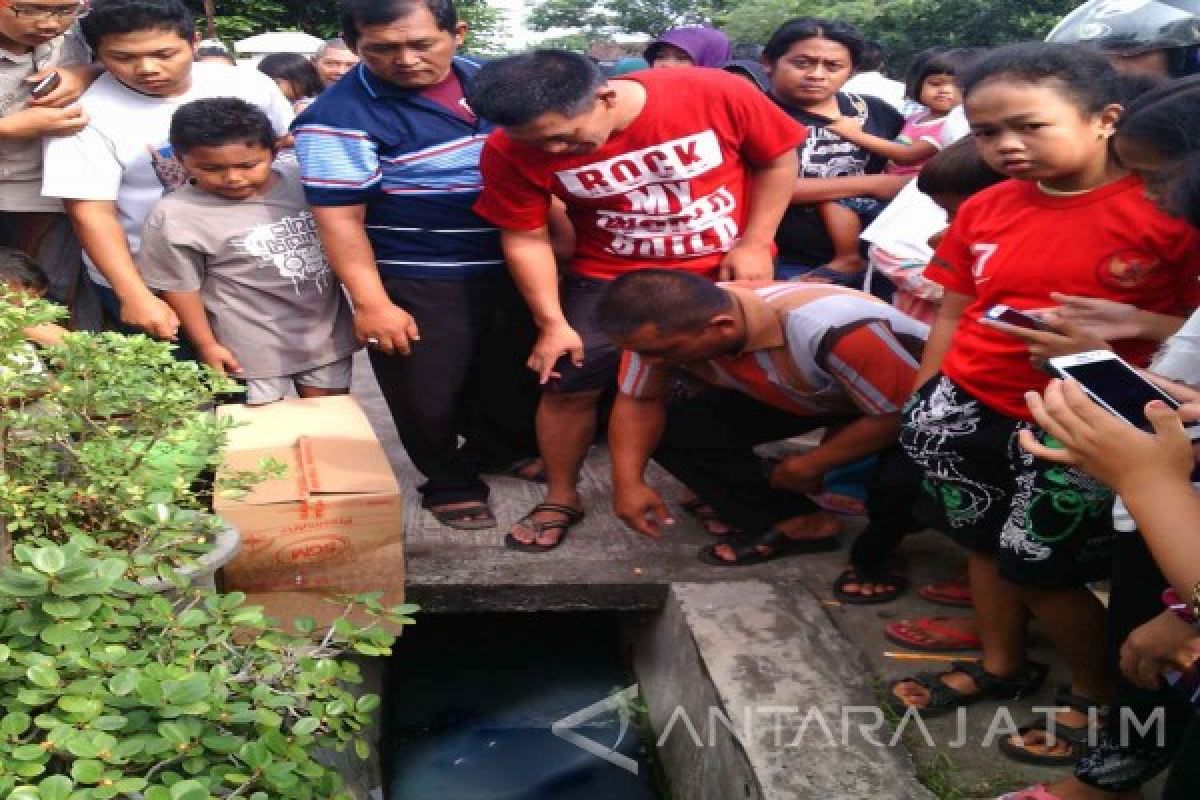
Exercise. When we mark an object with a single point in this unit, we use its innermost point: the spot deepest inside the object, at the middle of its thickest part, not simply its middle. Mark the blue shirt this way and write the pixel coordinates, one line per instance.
(415, 166)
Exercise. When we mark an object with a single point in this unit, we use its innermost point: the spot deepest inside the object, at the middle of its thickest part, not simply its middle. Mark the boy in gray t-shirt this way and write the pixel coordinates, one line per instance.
(236, 255)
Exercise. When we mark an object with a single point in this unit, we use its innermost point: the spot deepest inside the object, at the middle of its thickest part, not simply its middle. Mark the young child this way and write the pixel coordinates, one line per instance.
(295, 76)
(902, 247)
(1074, 222)
(931, 82)
(237, 258)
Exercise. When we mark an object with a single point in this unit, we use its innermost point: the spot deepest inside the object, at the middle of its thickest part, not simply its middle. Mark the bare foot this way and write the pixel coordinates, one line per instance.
(820, 525)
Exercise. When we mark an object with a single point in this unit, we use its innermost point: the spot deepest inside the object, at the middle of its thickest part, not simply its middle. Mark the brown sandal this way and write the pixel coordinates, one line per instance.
(571, 518)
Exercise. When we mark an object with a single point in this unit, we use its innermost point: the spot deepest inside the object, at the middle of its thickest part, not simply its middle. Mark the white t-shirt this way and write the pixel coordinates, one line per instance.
(879, 85)
(124, 154)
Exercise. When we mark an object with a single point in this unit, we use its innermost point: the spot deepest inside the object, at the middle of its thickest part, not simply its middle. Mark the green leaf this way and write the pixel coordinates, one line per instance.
(49, 560)
(192, 618)
(87, 771)
(61, 609)
(29, 752)
(23, 584)
(15, 724)
(362, 749)
(62, 635)
(43, 676)
(190, 690)
(304, 625)
(367, 703)
(56, 787)
(123, 682)
(129, 785)
(306, 726)
(189, 790)
(74, 704)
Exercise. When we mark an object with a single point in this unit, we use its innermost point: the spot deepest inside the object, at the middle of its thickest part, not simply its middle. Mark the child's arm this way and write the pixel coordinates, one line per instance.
(896, 152)
(45, 335)
(949, 312)
(1150, 471)
(194, 319)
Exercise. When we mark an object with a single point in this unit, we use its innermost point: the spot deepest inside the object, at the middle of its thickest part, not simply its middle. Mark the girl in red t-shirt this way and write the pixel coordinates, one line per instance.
(1072, 221)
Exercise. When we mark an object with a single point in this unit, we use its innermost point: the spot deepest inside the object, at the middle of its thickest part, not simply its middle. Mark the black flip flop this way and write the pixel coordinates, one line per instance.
(746, 553)
(944, 699)
(460, 518)
(857, 573)
(573, 516)
(1076, 736)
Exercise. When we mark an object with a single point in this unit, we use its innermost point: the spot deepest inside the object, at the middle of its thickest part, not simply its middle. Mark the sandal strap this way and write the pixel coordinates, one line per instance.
(1063, 696)
(933, 625)
(572, 514)
(572, 517)
(453, 514)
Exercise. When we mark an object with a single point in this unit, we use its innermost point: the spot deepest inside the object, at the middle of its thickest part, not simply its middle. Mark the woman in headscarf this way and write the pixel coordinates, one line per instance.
(690, 46)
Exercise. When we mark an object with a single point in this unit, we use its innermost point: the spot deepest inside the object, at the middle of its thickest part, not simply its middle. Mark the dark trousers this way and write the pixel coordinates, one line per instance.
(466, 377)
(708, 445)
(893, 494)
(1183, 781)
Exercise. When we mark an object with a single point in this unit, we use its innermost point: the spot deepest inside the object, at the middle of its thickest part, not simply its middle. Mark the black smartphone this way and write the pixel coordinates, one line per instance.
(46, 85)
(1115, 385)
(1019, 319)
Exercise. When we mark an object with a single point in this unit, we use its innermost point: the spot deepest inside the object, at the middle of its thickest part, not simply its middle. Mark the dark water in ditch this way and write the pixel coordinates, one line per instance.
(471, 699)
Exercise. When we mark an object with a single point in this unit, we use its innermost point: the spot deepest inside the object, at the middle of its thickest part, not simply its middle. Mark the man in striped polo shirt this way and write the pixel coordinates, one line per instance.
(774, 360)
(389, 157)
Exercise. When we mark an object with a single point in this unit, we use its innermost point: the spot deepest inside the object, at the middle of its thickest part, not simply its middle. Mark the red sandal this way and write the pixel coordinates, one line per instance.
(955, 593)
(931, 635)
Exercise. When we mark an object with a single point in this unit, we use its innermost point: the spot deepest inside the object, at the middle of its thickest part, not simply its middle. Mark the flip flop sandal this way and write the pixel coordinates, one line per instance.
(937, 636)
(945, 699)
(746, 549)
(572, 517)
(955, 593)
(460, 518)
(519, 469)
(1039, 792)
(705, 514)
(1076, 736)
(860, 574)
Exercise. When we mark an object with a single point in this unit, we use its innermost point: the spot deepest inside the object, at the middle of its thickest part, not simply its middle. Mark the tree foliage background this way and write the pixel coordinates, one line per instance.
(237, 19)
(903, 27)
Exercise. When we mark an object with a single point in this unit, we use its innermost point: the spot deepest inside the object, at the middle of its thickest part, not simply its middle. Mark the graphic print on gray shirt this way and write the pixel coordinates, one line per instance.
(261, 273)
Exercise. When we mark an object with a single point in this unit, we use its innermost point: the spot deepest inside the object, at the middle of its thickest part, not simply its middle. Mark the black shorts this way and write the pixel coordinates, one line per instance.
(601, 357)
(1048, 525)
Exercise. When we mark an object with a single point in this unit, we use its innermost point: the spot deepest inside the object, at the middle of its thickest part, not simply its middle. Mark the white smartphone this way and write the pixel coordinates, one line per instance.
(1020, 319)
(1115, 385)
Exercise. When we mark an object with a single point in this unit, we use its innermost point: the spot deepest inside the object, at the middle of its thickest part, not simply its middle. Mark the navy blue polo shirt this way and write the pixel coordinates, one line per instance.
(415, 166)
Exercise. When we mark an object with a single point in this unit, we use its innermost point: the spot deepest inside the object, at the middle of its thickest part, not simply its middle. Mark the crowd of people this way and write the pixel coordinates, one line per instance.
(690, 256)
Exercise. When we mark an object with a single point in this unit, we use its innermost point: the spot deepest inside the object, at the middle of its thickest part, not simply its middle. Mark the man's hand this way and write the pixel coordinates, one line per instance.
(747, 261)
(151, 314)
(34, 123)
(553, 342)
(1105, 446)
(1165, 642)
(641, 508)
(796, 474)
(73, 82)
(220, 358)
(386, 327)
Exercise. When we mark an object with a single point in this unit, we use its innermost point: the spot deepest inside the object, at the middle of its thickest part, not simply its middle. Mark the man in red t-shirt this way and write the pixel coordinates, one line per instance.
(682, 169)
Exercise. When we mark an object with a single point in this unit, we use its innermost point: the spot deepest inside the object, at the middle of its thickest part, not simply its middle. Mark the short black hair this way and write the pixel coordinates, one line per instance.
(672, 300)
(213, 51)
(872, 57)
(936, 61)
(357, 14)
(116, 17)
(1084, 76)
(802, 28)
(19, 270)
(215, 121)
(519, 89)
(957, 170)
(1163, 120)
(294, 68)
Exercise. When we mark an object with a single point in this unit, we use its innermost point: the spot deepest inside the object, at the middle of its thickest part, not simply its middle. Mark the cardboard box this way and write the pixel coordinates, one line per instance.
(332, 525)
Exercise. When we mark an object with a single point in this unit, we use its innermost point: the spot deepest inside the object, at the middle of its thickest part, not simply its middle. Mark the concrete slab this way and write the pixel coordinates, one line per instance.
(792, 689)
(602, 565)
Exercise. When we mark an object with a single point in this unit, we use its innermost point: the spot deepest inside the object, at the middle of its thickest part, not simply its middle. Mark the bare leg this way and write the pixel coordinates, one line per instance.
(844, 228)
(1002, 620)
(313, 391)
(566, 426)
